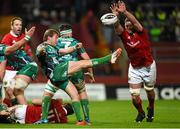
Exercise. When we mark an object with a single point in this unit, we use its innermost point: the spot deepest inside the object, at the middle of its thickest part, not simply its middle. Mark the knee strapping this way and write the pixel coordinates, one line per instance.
(135, 92)
(80, 87)
(148, 87)
(21, 84)
(50, 88)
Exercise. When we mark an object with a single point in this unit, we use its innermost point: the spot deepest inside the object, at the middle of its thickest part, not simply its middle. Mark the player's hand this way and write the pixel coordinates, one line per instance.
(4, 113)
(121, 7)
(41, 49)
(91, 77)
(79, 45)
(114, 9)
(31, 31)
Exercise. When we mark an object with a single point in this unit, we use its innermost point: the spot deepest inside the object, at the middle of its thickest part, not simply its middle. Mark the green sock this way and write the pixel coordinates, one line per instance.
(84, 104)
(45, 106)
(101, 60)
(77, 110)
(14, 101)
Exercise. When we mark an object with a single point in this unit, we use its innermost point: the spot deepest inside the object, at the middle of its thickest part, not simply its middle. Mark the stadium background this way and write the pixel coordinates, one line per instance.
(160, 17)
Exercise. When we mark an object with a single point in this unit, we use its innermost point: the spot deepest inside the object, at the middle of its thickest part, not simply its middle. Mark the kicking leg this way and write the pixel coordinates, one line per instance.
(77, 66)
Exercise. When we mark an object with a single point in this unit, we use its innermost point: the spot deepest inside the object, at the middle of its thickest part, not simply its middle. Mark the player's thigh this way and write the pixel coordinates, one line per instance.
(75, 66)
(150, 77)
(134, 75)
(78, 80)
(60, 72)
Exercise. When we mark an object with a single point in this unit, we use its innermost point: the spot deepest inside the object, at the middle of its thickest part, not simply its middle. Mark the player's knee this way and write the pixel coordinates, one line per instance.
(148, 87)
(21, 84)
(50, 88)
(80, 87)
(134, 92)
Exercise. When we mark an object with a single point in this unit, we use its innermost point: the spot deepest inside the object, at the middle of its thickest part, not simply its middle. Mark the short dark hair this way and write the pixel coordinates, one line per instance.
(16, 18)
(64, 27)
(49, 32)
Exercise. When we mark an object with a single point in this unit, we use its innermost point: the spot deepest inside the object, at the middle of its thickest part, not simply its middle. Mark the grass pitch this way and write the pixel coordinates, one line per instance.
(120, 114)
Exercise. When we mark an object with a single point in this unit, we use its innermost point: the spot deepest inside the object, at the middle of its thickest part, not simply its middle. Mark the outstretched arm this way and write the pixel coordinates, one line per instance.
(17, 45)
(117, 26)
(121, 8)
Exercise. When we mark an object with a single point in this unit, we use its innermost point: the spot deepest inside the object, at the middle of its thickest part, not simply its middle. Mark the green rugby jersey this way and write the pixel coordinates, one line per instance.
(2, 52)
(2, 49)
(18, 60)
(49, 58)
(65, 43)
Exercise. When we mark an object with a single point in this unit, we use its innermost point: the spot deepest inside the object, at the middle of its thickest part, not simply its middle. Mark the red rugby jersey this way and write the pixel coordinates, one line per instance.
(138, 48)
(56, 113)
(10, 38)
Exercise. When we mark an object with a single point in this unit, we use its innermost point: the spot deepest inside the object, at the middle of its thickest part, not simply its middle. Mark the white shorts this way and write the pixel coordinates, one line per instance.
(20, 113)
(146, 75)
(9, 78)
(8, 81)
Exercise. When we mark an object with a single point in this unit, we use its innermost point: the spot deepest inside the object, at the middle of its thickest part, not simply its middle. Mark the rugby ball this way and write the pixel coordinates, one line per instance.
(109, 19)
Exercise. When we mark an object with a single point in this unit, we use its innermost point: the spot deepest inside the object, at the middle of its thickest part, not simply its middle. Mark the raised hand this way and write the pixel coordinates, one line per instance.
(91, 77)
(114, 9)
(31, 31)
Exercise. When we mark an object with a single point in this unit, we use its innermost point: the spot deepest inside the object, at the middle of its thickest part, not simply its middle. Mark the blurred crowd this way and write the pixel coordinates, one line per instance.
(161, 18)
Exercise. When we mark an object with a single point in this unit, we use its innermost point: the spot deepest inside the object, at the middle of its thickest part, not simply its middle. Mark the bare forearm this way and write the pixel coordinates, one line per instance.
(14, 47)
(130, 17)
(66, 50)
(133, 20)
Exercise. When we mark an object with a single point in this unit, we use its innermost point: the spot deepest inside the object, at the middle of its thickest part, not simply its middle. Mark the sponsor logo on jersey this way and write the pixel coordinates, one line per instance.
(132, 44)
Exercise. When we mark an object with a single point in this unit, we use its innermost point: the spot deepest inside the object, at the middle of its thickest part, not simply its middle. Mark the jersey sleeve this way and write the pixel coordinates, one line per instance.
(59, 44)
(7, 40)
(2, 50)
(2, 58)
(144, 34)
